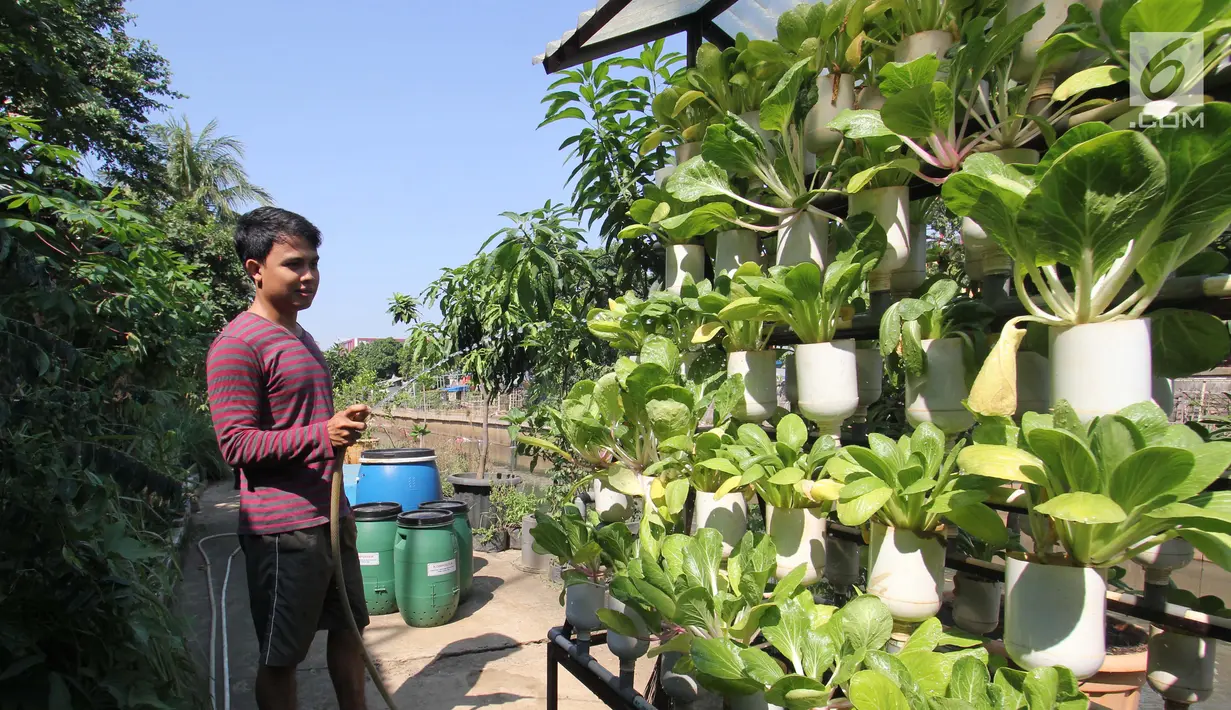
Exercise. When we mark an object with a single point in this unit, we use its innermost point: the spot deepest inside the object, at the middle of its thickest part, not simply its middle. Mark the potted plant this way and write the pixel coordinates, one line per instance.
(976, 601)
(677, 226)
(934, 336)
(512, 506)
(1102, 492)
(628, 319)
(586, 554)
(1116, 209)
(825, 371)
(907, 489)
(731, 309)
(1181, 665)
(678, 117)
(839, 29)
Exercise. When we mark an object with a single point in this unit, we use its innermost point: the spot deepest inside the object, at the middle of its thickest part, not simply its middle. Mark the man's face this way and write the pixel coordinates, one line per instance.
(290, 275)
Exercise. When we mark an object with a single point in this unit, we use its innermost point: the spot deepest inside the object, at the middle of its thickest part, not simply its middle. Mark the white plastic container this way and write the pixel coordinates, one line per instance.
(981, 249)
(828, 382)
(1033, 383)
(581, 605)
(612, 505)
(921, 44)
(1055, 615)
(976, 604)
(684, 259)
(1055, 12)
(1100, 368)
(806, 239)
(936, 396)
(870, 370)
(891, 208)
(687, 151)
(906, 570)
(735, 247)
(627, 648)
(818, 137)
(728, 515)
(799, 537)
(842, 562)
(1181, 666)
(759, 370)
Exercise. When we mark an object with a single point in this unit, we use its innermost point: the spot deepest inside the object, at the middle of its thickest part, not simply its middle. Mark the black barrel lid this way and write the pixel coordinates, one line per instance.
(457, 507)
(379, 455)
(376, 511)
(425, 519)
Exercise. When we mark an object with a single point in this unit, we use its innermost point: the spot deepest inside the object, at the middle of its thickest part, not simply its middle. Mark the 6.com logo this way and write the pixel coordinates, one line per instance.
(1166, 66)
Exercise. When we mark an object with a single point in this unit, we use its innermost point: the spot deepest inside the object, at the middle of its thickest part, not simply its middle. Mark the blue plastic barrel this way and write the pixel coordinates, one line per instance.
(405, 476)
(350, 481)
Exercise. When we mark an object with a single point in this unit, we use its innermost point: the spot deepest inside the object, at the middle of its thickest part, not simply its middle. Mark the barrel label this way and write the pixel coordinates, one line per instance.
(369, 559)
(436, 569)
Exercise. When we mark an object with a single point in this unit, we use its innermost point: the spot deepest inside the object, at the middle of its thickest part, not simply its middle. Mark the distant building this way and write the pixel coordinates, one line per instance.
(349, 345)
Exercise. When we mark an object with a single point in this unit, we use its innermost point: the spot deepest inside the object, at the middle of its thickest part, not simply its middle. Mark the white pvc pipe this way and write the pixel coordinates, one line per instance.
(213, 619)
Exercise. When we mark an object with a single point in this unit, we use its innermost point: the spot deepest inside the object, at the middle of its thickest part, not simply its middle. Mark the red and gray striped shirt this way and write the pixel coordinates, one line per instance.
(271, 398)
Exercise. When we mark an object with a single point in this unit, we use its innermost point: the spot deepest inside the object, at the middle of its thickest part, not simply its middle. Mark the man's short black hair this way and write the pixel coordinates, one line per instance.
(257, 231)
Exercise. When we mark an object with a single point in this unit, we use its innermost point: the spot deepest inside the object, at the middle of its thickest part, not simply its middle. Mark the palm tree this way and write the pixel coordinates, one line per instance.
(204, 168)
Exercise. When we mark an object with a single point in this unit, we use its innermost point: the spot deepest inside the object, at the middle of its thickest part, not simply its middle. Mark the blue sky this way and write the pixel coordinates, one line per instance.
(401, 129)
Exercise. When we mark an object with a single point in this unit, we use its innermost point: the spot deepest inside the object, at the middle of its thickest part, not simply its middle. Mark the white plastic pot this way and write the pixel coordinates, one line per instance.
(647, 483)
(870, 372)
(760, 383)
(981, 250)
(612, 505)
(842, 562)
(799, 537)
(789, 381)
(728, 515)
(1163, 394)
(530, 559)
(976, 604)
(627, 648)
(921, 44)
(753, 118)
(684, 259)
(870, 97)
(828, 383)
(911, 276)
(687, 151)
(735, 247)
(1055, 12)
(1033, 383)
(683, 689)
(581, 605)
(1100, 368)
(1161, 560)
(936, 395)
(1055, 615)
(891, 208)
(818, 137)
(906, 570)
(661, 175)
(806, 239)
(1181, 666)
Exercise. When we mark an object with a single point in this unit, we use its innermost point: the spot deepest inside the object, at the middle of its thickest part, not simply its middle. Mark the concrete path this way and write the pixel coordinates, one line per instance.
(492, 654)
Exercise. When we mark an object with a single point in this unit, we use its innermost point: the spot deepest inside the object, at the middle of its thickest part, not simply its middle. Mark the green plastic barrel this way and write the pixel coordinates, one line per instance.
(465, 544)
(376, 531)
(425, 556)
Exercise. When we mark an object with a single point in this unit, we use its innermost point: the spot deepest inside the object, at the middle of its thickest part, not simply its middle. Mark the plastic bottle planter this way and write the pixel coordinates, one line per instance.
(891, 208)
(1100, 368)
(907, 571)
(758, 368)
(870, 97)
(683, 689)
(581, 605)
(728, 515)
(790, 380)
(805, 239)
(799, 536)
(1033, 383)
(1161, 560)
(842, 562)
(684, 259)
(921, 44)
(685, 152)
(1180, 666)
(735, 247)
(1163, 394)
(1055, 615)
(661, 175)
(753, 118)
(530, 559)
(936, 396)
(1055, 12)
(910, 277)
(818, 137)
(627, 648)
(870, 373)
(976, 604)
(980, 248)
(612, 505)
(827, 378)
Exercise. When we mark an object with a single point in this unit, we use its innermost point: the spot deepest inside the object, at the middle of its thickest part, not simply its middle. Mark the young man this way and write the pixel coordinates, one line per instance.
(271, 399)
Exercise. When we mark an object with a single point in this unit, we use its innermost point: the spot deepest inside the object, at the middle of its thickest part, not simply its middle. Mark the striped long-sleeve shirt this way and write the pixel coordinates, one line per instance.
(270, 396)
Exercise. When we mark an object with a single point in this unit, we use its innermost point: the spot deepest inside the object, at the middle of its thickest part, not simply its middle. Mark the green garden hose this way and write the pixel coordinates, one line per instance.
(335, 508)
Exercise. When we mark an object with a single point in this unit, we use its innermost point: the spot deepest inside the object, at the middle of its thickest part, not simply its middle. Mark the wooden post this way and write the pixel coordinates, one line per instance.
(483, 445)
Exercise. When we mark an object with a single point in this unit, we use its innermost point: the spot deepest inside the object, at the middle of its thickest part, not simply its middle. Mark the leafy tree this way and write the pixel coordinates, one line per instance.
(203, 169)
(403, 308)
(73, 66)
(379, 357)
(209, 246)
(101, 337)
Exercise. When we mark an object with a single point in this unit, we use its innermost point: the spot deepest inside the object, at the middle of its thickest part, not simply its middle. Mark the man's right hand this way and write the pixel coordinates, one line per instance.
(348, 425)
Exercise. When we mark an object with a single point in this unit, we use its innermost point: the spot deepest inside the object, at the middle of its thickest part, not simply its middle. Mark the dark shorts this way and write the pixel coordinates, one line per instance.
(292, 591)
